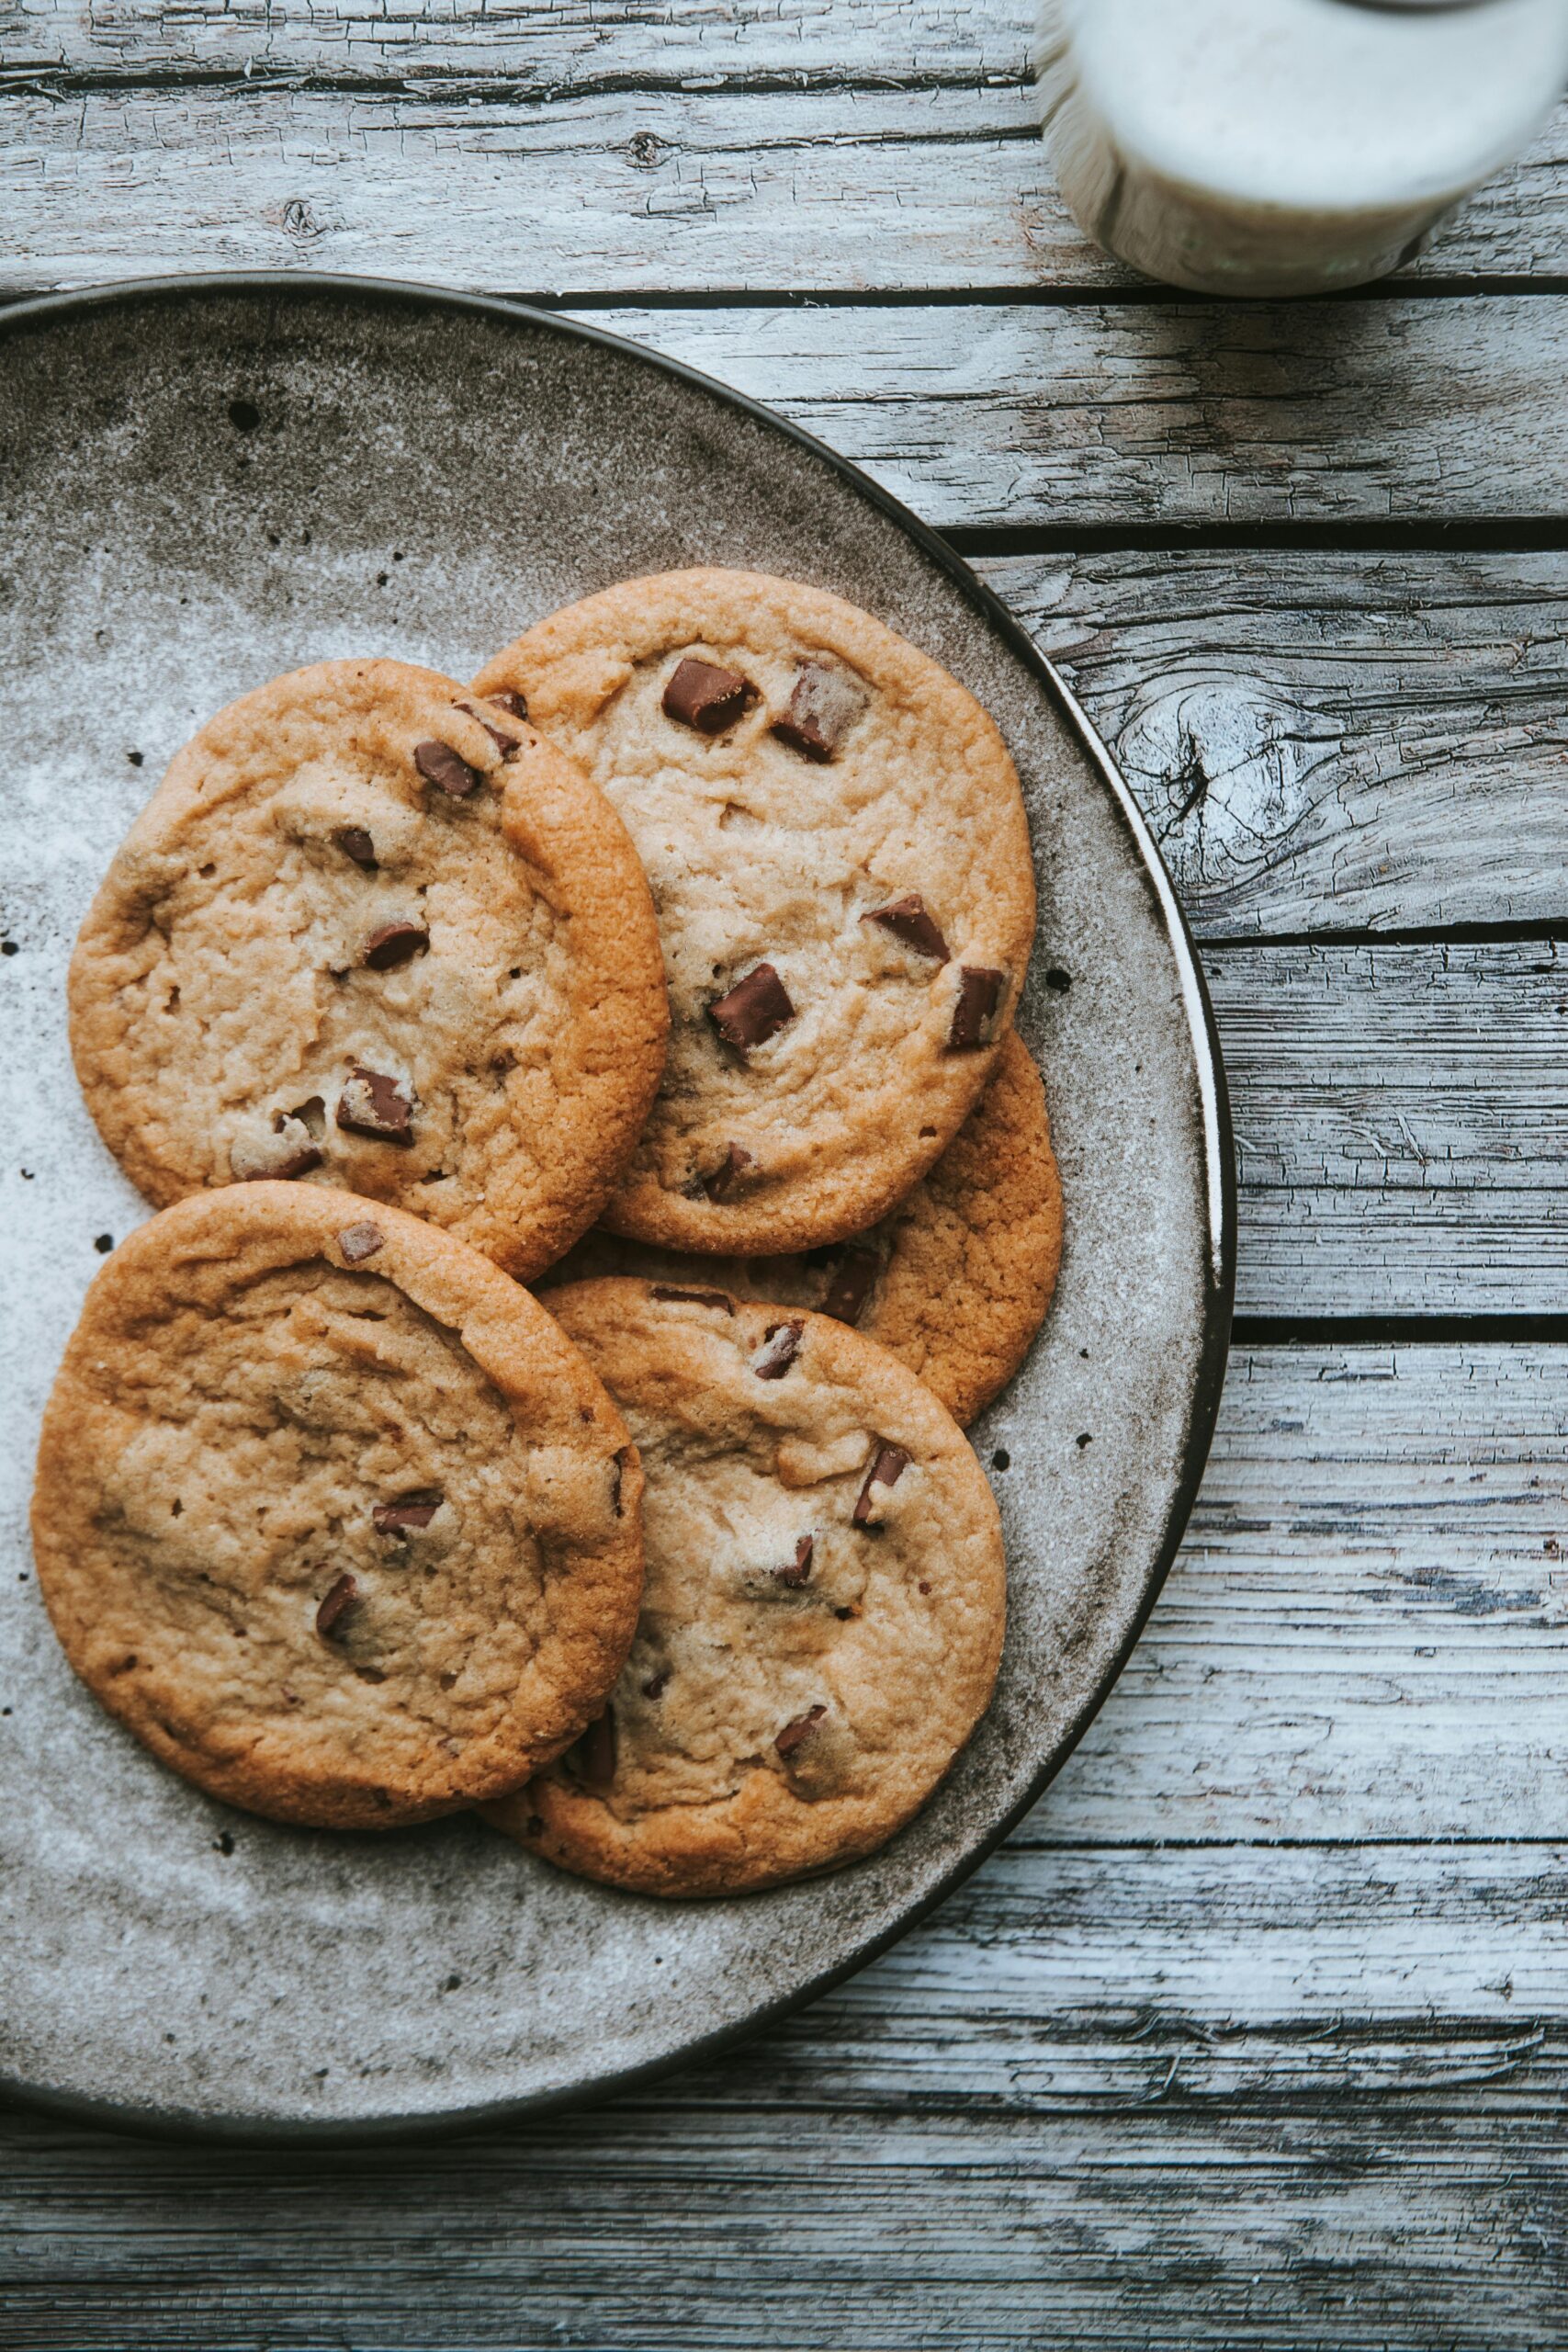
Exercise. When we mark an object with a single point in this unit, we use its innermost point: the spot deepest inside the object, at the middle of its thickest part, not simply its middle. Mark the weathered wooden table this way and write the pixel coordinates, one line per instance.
(1254, 2035)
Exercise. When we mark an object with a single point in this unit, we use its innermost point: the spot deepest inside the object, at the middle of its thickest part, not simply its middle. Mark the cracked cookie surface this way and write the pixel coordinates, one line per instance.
(329, 1513)
(373, 932)
(955, 1281)
(836, 841)
(824, 1608)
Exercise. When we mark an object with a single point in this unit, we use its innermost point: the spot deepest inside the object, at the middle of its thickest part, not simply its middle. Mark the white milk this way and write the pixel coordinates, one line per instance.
(1287, 146)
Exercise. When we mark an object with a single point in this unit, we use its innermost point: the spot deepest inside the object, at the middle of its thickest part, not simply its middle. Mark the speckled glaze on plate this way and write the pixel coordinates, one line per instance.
(204, 482)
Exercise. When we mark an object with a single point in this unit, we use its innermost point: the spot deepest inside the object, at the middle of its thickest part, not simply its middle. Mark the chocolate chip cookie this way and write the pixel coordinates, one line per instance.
(373, 931)
(839, 858)
(824, 1609)
(956, 1279)
(329, 1513)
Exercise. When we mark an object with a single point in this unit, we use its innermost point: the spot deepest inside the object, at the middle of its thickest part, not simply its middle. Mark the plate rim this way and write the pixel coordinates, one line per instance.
(171, 2122)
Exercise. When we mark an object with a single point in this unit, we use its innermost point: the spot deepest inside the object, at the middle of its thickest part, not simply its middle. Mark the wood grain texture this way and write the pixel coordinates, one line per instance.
(1401, 1117)
(552, 47)
(1328, 743)
(861, 147)
(1366, 1634)
(1249, 2097)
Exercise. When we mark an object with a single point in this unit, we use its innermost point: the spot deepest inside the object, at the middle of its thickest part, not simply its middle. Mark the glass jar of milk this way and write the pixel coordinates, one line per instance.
(1287, 146)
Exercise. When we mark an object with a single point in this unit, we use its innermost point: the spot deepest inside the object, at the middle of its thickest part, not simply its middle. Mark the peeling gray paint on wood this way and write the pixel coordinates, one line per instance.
(1366, 1633)
(1402, 1126)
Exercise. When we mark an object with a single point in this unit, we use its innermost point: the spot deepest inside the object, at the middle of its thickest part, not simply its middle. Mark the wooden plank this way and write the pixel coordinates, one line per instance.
(1366, 1634)
(1115, 2098)
(1400, 1129)
(551, 46)
(1328, 741)
(620, 191)
(544, 189)
(1166, 415)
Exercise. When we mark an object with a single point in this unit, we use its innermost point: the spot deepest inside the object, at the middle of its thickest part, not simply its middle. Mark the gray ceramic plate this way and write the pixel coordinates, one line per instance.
(204, 483)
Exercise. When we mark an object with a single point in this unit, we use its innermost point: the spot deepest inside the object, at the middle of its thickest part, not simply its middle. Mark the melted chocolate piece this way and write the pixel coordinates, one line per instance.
(781, 1343)
(654, 1687)
(617, 1471)
(394, 944)
(722, 1182)
(438, 764)
(823, 707)
(703, 695)
(293, 1155)
(849, 1285)
(755, 1010)
(979, 993)
(358, 1242)
(507, 745)
(593, 1756)
(510, 699)
(795, 1734)
(372, 1103)
(407, 1512)
(693, 1297)
(341, 1599)
(799, 1570)
(356, 843)
(888, 1466)
(908, 920)
(298, 1163)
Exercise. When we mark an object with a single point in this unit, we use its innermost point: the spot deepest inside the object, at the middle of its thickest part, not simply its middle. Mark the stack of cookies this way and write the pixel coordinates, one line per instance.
(669, 968)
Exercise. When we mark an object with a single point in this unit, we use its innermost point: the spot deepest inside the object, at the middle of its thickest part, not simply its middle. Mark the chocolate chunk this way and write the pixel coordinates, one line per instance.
(888, 1466)
(654, 1687)
(510, 699)
(906, 919)
(360, 1241)
(703, 695)
(298, 1163)
(754, 1010)
(780, 1342)
(851, 1285)
(356, 843)
(979, 993)
(617, 1471)
(507, 745)
(438, 764)
(407, 1512)
(372, 1103)
(343, 1596)
(795, 1734)
(593, 1756)
(722, 1182)
(823, 707)
(693, 1297)
(799, 1570)
(289, 1151)
(394, 944)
